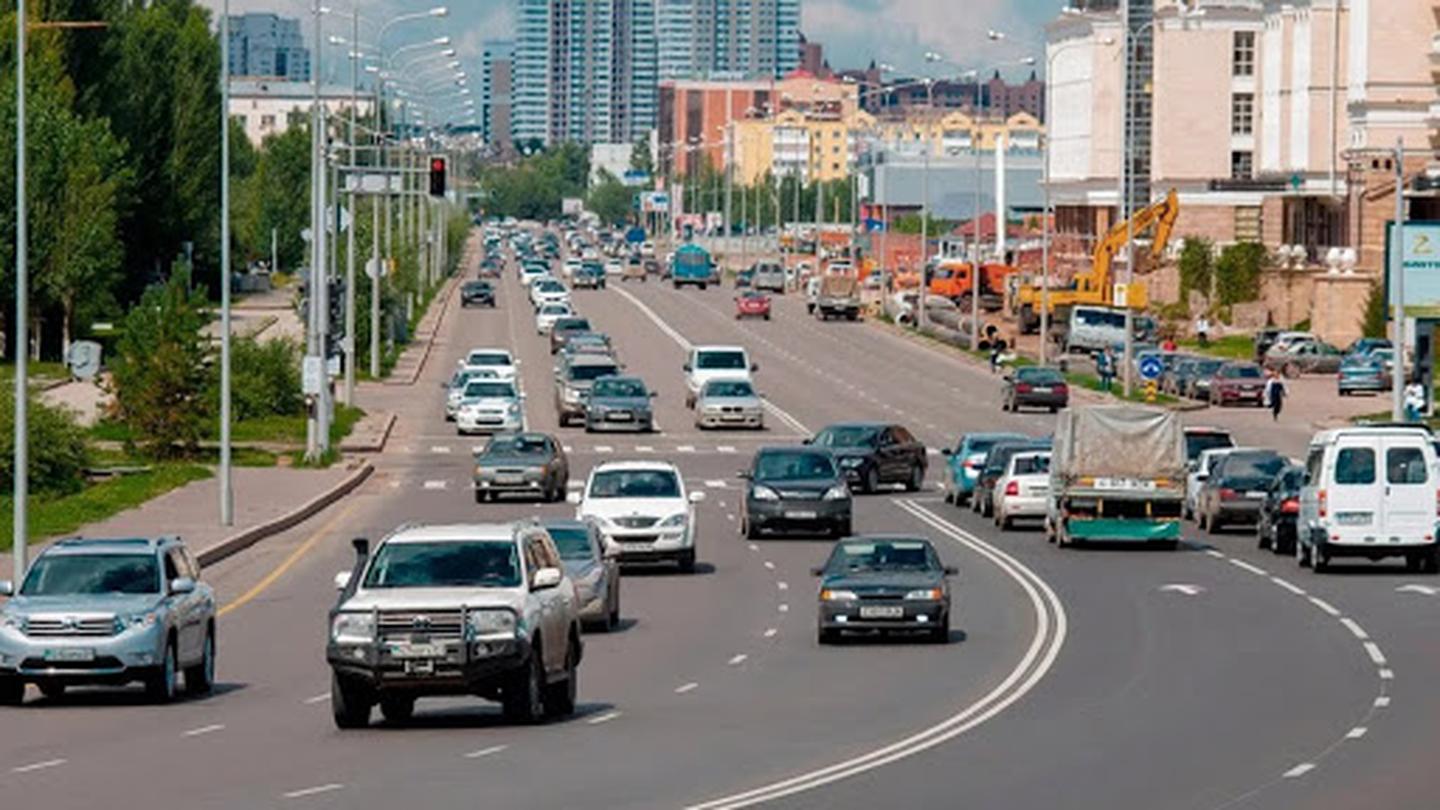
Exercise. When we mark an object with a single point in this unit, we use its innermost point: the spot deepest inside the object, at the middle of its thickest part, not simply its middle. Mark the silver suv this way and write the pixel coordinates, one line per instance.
(455, 610)
(108, 612)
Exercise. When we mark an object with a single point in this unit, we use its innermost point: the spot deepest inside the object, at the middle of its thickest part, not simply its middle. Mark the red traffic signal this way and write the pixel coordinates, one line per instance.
(437, 175)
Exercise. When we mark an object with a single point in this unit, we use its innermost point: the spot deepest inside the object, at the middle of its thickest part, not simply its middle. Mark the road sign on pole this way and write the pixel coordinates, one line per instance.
(1151, 367)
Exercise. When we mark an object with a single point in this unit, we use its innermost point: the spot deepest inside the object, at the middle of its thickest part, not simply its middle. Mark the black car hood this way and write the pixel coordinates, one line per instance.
(809, 486)
(883, 580)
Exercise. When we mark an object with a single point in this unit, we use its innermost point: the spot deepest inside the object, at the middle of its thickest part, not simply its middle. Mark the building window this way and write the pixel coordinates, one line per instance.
(1242, 165)
(1242, 54)
(267, 122)
(1242, 114)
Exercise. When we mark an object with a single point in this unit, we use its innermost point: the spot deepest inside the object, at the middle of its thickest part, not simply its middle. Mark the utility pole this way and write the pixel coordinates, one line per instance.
(227, 494)
(354, 214)
(1398, 379)
(1122, 206)
(20, 536)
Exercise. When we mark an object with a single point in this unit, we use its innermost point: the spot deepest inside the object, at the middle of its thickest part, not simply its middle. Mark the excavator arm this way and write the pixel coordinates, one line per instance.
(1161, 214)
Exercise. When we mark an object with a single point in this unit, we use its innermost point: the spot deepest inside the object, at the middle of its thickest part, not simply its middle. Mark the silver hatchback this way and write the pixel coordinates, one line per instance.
(108, 612)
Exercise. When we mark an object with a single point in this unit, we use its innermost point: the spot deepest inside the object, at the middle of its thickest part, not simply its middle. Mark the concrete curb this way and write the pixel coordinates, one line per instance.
(375, 446)
(236, 543)
(444, 298)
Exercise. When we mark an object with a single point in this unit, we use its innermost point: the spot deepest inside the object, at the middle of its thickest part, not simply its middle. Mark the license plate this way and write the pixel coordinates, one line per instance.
(1042, 389)
(1256, 494)
(619, 417)
(417, 650)
(635, 546)
(70, 654)
(510, 479)
(800, 515)
(882, 612)
(1123, 483)
(1353, 518)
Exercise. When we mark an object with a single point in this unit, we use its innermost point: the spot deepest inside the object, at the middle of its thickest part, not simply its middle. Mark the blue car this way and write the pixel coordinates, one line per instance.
(1365, 372)
(963, 463)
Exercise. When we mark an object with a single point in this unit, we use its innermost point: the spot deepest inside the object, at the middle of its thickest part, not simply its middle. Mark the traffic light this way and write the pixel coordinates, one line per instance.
(437, 175)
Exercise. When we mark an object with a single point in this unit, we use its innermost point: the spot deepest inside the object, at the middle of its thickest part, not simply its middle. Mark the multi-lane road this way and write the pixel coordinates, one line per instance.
(1214, 676)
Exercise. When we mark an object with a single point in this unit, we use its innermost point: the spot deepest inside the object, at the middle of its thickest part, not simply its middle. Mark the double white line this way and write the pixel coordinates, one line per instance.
(1048, 638)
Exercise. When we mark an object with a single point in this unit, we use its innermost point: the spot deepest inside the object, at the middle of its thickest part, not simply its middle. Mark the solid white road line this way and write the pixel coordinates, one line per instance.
(1045, 646)
(604, 718)
(1373, 650)
(485, 752)
(1354, 628)
(39, 766)
(1245, 566)
(317, 699)
(435, 485)
(1299, 770)
(1325, 606)
(689, 687)
(311, 791)
(196, 732)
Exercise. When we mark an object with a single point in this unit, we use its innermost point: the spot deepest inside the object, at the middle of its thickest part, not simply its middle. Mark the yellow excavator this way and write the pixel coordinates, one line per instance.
(1097, 287)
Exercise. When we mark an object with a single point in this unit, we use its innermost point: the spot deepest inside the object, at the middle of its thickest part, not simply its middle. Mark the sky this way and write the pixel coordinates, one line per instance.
(854, 32)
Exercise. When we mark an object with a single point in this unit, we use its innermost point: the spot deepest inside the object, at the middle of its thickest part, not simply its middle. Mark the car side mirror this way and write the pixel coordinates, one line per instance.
(181, 586)
(654, 394)
(951, 571)
(686, 367)
(697, 497)
(754, 366)
(743, 475)
(817, 571)
(546, 578)
(342, 580)
(947, 452)
(7, 588)
(572, 498)
(808, 440)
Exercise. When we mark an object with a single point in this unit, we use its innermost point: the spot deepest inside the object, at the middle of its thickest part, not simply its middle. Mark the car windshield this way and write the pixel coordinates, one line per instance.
(487, 359)
(618, 388)
(1252, 466)
(572, 325)
(712, 361)
(551, 286)
(635, 484)
(1032, 465)
(1039, 376)
(517, 446)
(555, 309)
(476, 286)
(1206, 368)
(1240, 372)
(92, 575)
(897, 555)
(729, 388)
(793, 466)
(980, 445)
(444, 565)
(489, 389)
(1197, 443)
(573, 543)
(592, 372)
(848, 436)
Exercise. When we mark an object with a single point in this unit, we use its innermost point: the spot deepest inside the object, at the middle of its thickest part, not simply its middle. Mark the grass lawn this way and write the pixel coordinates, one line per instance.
(274, 429)
(1230, 347)
(60, 515)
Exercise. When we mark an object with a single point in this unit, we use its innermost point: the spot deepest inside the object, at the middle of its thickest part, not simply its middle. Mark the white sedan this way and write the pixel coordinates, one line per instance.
(499, 362)
(550, 313)
(642, 510)
(1023, 490)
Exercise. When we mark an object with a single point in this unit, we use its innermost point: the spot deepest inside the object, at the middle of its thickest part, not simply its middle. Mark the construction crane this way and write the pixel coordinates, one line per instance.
(1097, 286)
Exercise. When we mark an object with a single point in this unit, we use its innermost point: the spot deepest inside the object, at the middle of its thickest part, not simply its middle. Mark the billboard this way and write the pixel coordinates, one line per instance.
(1420, 266)
(572, 206)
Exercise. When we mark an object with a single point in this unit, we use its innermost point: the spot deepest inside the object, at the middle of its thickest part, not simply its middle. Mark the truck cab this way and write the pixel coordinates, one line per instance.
(692, 265)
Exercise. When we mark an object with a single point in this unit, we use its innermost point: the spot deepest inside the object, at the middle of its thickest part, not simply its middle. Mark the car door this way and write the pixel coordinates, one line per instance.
(1355, 499)
(182, 608)
(551, 621)
(562, 463)
(1407, 511)
(914, 450)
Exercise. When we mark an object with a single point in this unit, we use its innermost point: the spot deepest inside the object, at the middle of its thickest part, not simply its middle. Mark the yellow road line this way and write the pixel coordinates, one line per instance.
(288, 563)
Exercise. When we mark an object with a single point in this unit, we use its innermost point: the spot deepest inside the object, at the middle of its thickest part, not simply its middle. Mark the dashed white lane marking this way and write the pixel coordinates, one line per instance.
(1289, 586)
(685, 448)
(1375, 655)
(716, 483)
(1325, 606)
(784, 608)
(1356, 733)
(1216, 554)
(1382, 702)
(485, 752)
(644, 448)
(1387, 674)
(441, 449)
(436, 485)
(604, 448)
(730, 516)
(737, 660)
(604, 718)
(782, 585)
(1354, 628)
(753, 547)
(311, 791)
(567, 448)
(210, 729)
(311, 701)
(1245, 566)
(689, 687)
(1299, 770)
(769, 566)
(770, 632)
(39, 766)
(725, 448)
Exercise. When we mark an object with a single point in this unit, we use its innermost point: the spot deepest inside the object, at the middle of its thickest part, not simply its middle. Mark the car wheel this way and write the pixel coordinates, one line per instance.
(826, 636)
(1004, 523)
(397, 709)
(987, 507)
(686, 561)
(160, 686)
(872, 480)
(53, 690)
(917, 479)
(523, 701)
(1054, 409)
(1261, 541)
(12, 692)
(949, 497)
(560, 696)
(1319, 561)
(350, 702)
(940, 634)
(767, 316)
(612, 619)
(200, 679)
(748, 529)
(1213, 524)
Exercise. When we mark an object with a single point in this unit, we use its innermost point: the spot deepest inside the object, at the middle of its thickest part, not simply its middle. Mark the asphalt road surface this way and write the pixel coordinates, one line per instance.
(1211, 677)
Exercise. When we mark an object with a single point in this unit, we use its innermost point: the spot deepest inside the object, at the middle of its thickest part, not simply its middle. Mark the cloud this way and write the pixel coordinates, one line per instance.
(901, 31)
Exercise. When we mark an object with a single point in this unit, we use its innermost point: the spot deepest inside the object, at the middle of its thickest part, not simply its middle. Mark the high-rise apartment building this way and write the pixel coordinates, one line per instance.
(268, 46)
(497, 85)
(728, 38)
(584, 70)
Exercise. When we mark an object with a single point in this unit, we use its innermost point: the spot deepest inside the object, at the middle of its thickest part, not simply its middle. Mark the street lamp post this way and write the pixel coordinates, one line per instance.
(227, 495)
(20, 536)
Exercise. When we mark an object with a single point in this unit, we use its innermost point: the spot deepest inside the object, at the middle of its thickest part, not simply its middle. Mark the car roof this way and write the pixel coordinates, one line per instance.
(111, 545)
(487, 350)
(885, 538)
(871, 425)
(719, 349)
(1388, 429)
(452, 532)
(636, 466)
(592, 360)
(1204, 429)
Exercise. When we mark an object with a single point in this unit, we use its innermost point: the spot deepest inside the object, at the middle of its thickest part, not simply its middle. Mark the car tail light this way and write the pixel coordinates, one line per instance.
(1022, 388)
(1012, 489)
(1437, 503)
(1291, 506)
(1322, 503)
(1061, 388)
(1227, 494)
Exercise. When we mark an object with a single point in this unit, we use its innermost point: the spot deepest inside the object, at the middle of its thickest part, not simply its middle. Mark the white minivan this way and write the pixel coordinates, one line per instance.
(706, 363)
(1370, 492)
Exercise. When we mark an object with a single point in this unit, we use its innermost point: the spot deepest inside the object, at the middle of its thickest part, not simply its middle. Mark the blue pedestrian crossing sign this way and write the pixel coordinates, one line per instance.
(1151, 367)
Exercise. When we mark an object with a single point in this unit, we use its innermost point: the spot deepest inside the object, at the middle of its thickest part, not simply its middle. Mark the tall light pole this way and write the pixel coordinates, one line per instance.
(227, 494)
(20, 535)
(354, 217)
(1397, 287)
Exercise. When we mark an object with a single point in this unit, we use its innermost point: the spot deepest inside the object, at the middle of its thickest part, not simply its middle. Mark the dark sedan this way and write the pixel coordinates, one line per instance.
(1193, 378)
(477, 294)
(875, 453)
(982, 498)
(1236, 383)
(524, 463)
(564, 328)
(795, 489)
(1279, 511)
(1236, 488)
(619, 403)
(884, 584)
(1035, 387)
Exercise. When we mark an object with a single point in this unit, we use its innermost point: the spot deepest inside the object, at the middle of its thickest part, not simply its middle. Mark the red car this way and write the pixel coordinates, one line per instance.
(752, 305)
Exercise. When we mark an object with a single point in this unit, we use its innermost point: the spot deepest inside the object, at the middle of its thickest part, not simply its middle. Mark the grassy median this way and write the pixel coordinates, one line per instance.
(60, 515)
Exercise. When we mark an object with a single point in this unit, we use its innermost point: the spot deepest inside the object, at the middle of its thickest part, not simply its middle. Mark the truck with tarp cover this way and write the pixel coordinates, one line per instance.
(1117, 475)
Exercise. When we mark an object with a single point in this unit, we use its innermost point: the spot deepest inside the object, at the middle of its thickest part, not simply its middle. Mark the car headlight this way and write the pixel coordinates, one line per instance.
(137, 621)
(828, 595)
(852, 461)
(14, 620)
(489, 622)
(353, 628)
(928, 594)
(514, 409)
(675, 521)
(764, 493)
(572, 395)
(837, 493)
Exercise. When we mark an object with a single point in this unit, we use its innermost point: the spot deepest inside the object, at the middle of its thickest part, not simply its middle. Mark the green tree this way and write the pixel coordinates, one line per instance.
(1377, 310)
(640, 158)
(1237, 272)
(275, 198)
(1197, 266)
(160, 371)
(58, 451)
(610, 199)
(265, 378)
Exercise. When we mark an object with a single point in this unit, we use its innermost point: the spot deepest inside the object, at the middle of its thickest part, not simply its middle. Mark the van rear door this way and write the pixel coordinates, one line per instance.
(1409, 507)
(1355, 498)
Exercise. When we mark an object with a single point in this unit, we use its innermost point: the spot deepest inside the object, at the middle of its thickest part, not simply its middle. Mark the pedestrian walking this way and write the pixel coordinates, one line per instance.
(1414, 401)
(1202, 330)
(1275, 395)
(1105, 367)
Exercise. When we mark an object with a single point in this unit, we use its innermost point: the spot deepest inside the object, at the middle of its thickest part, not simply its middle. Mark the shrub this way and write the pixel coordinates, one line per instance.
(1377, 320)
(1197, 265)
(1238, 272)
(264, 378)
(58, 453)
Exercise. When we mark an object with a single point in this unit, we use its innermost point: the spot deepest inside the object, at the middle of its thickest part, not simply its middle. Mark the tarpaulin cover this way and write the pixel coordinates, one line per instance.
(1119, 441)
